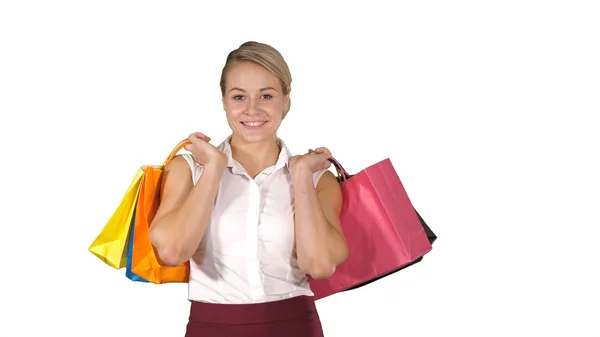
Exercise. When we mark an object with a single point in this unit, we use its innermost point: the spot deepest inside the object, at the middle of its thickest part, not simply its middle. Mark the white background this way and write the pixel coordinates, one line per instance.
(487, 109)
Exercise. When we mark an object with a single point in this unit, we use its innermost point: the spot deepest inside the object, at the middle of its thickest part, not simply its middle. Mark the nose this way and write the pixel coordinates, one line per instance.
(252, 107)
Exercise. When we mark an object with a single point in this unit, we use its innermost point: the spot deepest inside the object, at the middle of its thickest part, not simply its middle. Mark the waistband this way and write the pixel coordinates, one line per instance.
(253, 313)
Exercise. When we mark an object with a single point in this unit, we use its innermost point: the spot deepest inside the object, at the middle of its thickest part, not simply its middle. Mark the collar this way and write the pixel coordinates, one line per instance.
(282, 161)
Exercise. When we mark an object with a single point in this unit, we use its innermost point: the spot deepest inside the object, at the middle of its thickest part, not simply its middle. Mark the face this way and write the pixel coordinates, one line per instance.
(254, 102)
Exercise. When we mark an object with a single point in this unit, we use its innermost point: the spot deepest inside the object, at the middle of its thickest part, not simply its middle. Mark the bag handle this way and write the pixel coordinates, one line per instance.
(176, 150)
(340, 170)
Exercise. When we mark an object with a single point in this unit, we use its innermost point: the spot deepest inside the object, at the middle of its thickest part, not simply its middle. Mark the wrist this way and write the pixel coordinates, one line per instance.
(216, 165)
(300, 172)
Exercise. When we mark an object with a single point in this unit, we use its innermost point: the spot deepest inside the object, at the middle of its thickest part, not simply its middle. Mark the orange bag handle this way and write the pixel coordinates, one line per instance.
(176, 150)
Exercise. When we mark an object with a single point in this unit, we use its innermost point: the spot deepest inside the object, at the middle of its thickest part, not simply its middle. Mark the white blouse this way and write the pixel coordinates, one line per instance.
(246, 254)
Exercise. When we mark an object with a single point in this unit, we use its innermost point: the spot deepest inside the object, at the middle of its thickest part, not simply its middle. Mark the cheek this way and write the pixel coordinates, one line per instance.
(234, 110)
(274, 106)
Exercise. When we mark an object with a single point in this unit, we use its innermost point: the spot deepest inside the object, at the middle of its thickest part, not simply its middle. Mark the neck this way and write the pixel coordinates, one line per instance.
(255, 156)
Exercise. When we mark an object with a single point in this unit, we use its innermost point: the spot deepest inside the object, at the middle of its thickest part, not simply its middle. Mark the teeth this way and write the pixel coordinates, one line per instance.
(253, 123)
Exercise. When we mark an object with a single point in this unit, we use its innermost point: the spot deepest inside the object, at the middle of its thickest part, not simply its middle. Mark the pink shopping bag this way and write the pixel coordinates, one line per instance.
(381, 226)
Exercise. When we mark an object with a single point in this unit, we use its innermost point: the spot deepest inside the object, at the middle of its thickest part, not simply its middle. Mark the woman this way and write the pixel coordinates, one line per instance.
(252, 219)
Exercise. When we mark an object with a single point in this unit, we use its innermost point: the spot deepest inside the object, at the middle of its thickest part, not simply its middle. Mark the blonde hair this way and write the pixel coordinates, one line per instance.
(264, 55)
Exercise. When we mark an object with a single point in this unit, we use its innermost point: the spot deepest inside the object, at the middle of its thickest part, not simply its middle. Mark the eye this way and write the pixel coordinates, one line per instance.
(267, 96)
(238, 97)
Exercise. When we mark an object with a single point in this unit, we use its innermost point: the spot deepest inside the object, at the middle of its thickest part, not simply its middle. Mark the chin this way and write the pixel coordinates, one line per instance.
(254, 137)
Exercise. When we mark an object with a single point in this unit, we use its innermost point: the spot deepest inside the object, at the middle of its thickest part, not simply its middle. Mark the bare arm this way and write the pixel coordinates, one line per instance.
(183, 215)
(320, 242)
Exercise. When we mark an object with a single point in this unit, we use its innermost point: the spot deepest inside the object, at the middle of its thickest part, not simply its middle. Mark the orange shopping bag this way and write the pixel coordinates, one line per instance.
(145, 262)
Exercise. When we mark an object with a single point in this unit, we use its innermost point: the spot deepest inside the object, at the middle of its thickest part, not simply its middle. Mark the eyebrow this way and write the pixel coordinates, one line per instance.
(242, 90)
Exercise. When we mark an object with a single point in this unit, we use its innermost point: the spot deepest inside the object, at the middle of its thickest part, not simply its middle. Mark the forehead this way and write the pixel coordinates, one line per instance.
(250, 75)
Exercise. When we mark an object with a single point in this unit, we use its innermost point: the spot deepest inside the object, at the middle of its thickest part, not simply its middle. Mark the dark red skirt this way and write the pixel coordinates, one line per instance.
(293, 317)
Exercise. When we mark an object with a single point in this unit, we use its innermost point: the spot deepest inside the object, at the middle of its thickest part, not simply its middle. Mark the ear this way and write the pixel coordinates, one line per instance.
(286, 98)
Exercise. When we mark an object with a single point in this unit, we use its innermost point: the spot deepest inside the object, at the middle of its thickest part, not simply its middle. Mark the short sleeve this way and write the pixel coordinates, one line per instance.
(194, 167)
(317, 176)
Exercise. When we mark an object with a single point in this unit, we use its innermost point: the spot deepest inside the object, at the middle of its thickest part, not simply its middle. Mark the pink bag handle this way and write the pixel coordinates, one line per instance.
(340, 169)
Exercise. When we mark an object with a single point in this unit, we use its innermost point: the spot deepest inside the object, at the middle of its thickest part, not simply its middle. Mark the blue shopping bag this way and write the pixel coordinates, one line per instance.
(130, 275)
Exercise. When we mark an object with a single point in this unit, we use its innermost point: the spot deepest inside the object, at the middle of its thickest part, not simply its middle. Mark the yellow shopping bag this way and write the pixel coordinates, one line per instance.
(111, 244)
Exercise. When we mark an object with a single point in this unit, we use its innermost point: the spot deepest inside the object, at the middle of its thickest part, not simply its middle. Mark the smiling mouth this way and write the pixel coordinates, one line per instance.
(254, 124)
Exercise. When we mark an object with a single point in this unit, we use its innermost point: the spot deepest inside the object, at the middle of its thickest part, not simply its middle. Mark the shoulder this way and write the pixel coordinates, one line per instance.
(180, 163)
(329, 193)
(326, 180)
(183, 165)
(320, 174)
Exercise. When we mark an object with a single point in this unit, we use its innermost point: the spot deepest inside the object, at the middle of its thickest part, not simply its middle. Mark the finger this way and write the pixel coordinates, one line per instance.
(200, 135)
(203, 139)
(323, 150)
(322, 153)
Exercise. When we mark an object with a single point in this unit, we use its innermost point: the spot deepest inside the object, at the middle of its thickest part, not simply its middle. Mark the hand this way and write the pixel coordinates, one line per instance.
(312, 161)
(203, 152)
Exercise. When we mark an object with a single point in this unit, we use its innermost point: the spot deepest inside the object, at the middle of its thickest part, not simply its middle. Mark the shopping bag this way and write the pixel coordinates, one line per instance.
(431, 236)
(145, 262)
(128, 272)
(111, 244)
(381, 227)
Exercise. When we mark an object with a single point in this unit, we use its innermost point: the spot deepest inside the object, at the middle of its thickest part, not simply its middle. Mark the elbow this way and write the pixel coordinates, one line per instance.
(326, 270)
(318, 270)
(171, 257)
(323, 268)
(168, 253)
(322, 274)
